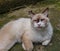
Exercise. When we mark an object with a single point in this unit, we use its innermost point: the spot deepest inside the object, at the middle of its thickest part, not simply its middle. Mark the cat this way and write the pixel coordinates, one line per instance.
(26, 31)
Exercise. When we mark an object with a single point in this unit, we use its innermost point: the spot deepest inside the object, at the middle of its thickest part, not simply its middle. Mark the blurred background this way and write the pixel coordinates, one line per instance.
(15, 9)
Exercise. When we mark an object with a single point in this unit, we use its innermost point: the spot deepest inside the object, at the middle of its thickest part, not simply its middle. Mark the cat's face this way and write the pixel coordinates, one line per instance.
(40, 20)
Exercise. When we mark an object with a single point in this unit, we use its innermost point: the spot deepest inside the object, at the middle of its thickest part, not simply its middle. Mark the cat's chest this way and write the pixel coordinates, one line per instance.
(37, 36)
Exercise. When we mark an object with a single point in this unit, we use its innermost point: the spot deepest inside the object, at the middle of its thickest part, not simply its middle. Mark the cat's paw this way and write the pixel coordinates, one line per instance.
(23, 46)
(27, 48)
(46, 42)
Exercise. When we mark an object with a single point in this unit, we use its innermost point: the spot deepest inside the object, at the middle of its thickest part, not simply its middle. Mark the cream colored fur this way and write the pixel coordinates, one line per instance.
(22, 30)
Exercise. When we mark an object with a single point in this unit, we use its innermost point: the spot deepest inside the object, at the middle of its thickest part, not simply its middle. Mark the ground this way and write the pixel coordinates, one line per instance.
(54, 15)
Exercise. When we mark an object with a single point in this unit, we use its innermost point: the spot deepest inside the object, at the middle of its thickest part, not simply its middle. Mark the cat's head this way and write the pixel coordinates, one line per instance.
(40, 20)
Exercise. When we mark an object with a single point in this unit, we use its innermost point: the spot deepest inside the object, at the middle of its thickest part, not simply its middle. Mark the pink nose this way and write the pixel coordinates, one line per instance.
(38, 25)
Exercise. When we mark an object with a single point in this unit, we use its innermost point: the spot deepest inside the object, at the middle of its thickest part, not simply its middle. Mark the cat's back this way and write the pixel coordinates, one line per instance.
(16, 25)
(20, 26)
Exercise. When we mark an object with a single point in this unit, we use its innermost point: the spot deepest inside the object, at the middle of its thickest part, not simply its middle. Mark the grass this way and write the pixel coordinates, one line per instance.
(54, 15)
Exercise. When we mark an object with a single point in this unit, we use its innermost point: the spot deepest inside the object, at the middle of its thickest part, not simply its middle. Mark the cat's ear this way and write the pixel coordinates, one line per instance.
(45, 12)
(31, 13)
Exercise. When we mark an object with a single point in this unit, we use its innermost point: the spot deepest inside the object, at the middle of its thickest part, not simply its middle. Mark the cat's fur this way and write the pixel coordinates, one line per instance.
(26, 30)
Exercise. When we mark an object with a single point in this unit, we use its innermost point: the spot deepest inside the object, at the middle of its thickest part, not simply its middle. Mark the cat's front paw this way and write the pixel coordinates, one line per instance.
(27, 48)
(46, 42)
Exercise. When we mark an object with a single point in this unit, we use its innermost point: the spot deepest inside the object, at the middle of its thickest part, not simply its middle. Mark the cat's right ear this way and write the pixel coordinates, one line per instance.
(31, 13)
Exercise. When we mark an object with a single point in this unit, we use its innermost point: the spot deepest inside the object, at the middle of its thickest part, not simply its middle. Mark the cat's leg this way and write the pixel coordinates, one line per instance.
(23, 46)
(6, 42)
(27, 43)
(46, 42)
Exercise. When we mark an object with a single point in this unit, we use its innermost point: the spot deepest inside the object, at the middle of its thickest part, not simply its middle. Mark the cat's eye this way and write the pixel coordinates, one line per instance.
(36, 20)
(42, 19)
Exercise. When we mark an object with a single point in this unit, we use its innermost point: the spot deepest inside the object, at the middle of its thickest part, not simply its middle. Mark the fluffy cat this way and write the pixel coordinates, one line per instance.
(27, 30)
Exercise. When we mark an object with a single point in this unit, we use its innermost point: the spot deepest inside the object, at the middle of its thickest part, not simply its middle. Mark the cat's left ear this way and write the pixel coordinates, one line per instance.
(45, 12)
(31, 13)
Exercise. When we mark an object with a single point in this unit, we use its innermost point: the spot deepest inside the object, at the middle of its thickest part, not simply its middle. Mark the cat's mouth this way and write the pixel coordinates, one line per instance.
(39, 27)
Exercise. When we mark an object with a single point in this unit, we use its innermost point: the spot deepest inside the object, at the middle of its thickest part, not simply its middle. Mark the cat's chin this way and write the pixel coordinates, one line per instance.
(39, 28)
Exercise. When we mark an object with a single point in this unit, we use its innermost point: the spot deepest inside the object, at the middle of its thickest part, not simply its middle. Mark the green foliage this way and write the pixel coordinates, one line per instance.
(7, 5)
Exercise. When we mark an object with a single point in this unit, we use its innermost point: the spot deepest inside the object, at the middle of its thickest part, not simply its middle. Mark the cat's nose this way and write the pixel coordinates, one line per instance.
(39, 24)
